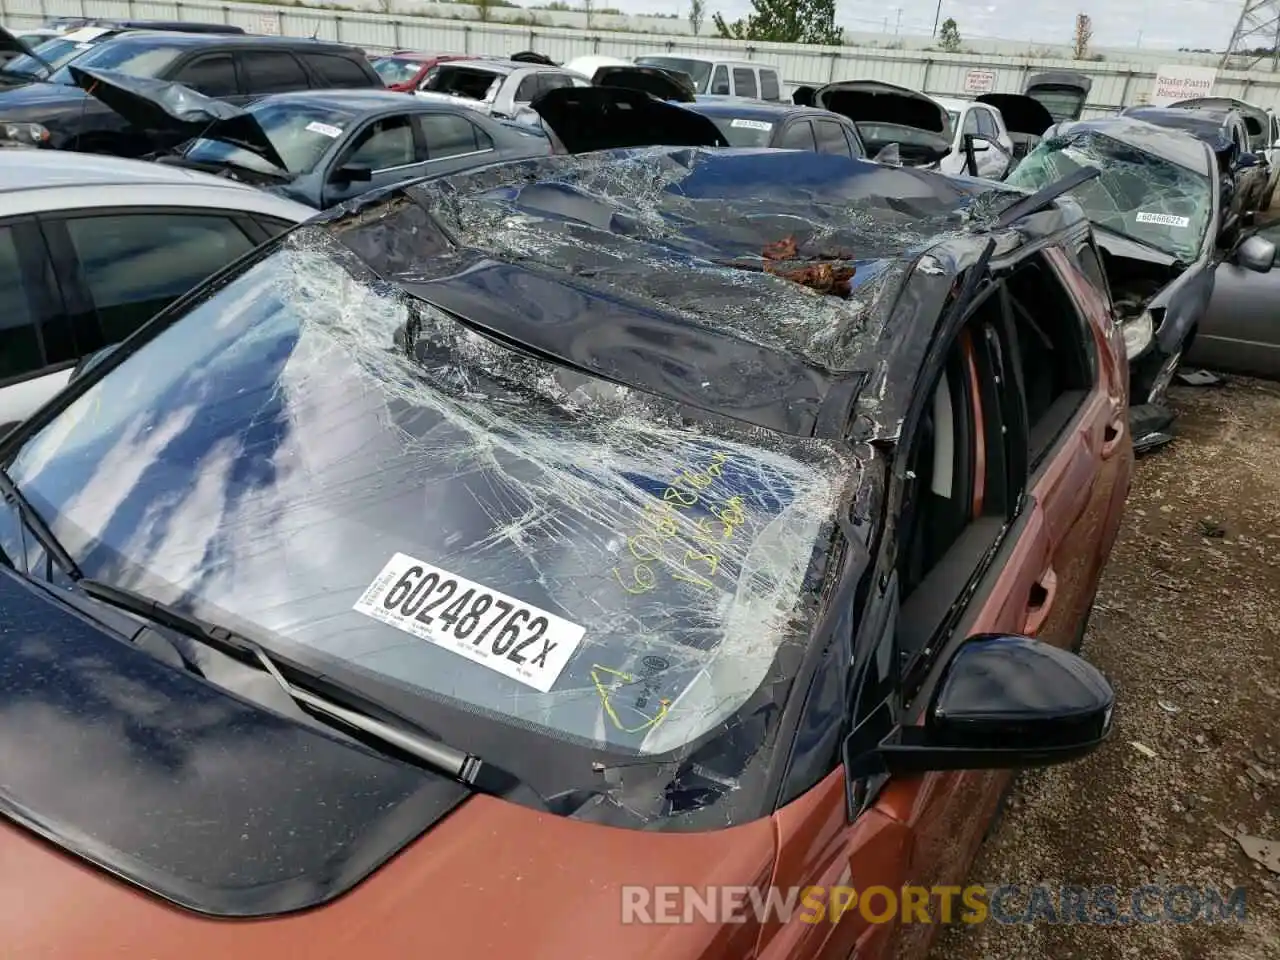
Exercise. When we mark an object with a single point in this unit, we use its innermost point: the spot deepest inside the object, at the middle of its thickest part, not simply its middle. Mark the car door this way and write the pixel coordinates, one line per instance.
(387, 147)
(38, 347)
(453, 142)
(993, 162)
(1240, 330)
(121, 266)
(960, 556)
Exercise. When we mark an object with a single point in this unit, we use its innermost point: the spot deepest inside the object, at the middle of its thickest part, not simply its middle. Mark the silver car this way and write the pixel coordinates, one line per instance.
(91, 247)
(1240, 332)
(500, 88)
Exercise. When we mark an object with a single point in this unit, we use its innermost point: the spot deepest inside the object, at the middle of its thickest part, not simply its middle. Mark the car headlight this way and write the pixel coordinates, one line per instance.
(24, 132)
(1137, 334)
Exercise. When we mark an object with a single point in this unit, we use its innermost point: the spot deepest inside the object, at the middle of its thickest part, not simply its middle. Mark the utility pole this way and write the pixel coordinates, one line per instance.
(1258, 28)
(897, 23)
(937, 13)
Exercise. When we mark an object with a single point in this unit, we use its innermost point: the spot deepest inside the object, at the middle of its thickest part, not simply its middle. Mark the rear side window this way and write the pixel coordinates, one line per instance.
(332, 70)
(798, 136)
(214, 76)
(720, 82)
(554, 81)
(272, 71)
(831, 139)
(529, 89)
(987, 124)
(448, 135)
(769, 89)
(19, 343)
(135, 264)
(744, 82)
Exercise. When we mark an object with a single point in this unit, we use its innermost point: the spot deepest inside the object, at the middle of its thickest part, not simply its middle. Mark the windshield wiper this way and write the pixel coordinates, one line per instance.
(466, 768)
(1043, 198)
(39, 529)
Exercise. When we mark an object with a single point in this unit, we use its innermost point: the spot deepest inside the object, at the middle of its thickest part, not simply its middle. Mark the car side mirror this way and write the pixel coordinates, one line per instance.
(354, 173)
(1003, 702)
(1255, 253)
(1247, 161)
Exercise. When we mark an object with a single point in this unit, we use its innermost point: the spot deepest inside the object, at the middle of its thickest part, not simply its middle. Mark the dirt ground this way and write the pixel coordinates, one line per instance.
(1187, 627)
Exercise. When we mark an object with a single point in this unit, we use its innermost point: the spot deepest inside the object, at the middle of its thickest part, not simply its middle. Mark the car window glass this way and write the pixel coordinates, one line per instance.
(798, 136)
(384, 143)
(528, 89)
(272, 71)
(447, 135)
(19, 344)
(1053, 349)
(720, 81)
(855, 145)
(971, 123)
(1091, 266)
(744, 82)
(134, 264)
(214, 76)
(337, 72)
(769, 86)
(987, 124)
(554, 81)
(830, 138)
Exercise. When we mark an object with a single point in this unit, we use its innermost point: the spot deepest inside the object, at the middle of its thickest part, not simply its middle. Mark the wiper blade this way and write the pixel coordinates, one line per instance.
(466, 768)
(39, 529)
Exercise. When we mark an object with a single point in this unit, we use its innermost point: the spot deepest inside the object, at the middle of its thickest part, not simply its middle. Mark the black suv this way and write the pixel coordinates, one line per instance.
(238, 69)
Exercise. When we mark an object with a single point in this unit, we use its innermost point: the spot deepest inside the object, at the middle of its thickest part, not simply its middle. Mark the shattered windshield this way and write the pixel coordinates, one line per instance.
(393, 70)
(301, 133)
(344, 474)
(1138, 194)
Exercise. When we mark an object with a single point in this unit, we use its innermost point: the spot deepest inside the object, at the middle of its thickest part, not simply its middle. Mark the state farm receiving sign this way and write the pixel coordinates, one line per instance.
(1178, 81)
(977, 82)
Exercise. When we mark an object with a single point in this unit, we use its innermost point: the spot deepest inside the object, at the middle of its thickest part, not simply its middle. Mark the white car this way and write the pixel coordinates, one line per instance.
(980, 120)
(91, 247)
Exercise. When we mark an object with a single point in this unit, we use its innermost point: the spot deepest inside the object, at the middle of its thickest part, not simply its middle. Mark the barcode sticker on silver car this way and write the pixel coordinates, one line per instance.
(750, 124)
(490, 628)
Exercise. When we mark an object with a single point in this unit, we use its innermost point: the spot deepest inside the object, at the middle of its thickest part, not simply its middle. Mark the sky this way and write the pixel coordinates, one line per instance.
(1149, 24)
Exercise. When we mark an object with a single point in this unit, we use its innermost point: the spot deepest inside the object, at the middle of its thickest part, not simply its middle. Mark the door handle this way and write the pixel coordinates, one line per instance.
(1113, 435)
(1040, 602)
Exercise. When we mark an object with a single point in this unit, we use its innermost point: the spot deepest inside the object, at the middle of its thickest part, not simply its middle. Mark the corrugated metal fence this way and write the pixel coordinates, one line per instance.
(1114, 84)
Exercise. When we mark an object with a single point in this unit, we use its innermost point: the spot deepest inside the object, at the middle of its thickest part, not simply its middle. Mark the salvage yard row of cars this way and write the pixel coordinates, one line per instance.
(665, 495)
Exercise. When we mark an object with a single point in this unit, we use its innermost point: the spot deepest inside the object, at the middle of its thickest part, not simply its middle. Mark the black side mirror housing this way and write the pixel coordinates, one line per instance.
(1246, 161)
(1255, 253)
(352, 174)
(1003, 702)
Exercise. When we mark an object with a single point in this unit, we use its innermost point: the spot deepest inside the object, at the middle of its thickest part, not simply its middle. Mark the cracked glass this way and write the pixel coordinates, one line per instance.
(266, 459)
(1138, 194)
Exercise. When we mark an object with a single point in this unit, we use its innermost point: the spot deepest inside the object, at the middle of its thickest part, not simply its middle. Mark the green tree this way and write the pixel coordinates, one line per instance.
(697, 12)
(949, 37)
(786, 21)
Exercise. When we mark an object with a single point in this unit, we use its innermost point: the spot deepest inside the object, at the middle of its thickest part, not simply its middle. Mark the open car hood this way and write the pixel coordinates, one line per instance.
(663, 84)
(1022, 114)
(872, 101)
(164, 106)
(607, 117)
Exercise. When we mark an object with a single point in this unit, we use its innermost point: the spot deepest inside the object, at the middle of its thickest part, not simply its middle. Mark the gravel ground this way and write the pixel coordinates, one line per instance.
(1187, 627)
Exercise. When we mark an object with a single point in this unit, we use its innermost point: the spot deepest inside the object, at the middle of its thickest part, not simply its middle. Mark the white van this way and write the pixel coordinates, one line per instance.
(723, 78)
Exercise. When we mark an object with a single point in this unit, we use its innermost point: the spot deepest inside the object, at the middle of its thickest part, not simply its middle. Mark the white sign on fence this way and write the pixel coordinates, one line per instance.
(269, 24)
(977, 82)
(1178, 81)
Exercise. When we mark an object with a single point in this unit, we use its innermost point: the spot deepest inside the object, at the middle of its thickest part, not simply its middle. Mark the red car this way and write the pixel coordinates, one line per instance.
(404, 69)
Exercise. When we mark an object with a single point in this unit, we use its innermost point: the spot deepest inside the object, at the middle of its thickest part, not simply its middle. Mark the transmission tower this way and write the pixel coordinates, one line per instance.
(1256, 37)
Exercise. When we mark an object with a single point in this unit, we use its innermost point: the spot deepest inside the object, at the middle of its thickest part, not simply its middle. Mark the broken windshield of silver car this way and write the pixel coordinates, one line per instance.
(1138, 194)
